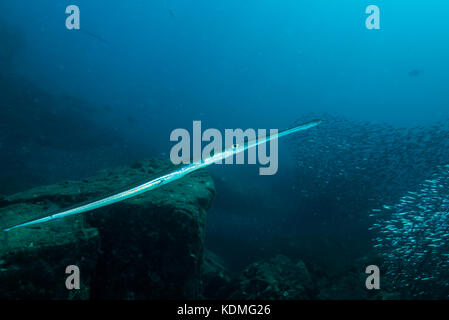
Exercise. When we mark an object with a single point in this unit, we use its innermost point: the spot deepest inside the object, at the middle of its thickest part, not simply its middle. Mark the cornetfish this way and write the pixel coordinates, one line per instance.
(167, 178)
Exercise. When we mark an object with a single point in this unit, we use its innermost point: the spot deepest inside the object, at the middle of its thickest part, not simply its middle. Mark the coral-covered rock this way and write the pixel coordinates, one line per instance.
(150, 246)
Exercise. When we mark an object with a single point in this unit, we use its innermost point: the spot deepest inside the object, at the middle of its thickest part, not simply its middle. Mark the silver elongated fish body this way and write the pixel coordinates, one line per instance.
(167, 178)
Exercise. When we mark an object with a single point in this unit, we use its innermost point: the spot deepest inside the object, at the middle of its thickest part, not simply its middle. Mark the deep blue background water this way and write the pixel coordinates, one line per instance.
(248, 64)
(240, 63)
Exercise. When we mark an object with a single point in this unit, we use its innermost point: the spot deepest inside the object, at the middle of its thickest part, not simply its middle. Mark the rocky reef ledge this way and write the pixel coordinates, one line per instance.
(150, 246)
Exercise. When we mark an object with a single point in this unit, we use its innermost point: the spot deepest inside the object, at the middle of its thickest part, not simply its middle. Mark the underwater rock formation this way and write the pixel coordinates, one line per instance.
(285, 278)
(278, 278)
(150, 246)
(216, 278)
(349, 284)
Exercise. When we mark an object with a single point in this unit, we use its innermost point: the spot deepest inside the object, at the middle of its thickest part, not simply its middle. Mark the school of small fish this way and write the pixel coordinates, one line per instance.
(396, 181)
(413, 237)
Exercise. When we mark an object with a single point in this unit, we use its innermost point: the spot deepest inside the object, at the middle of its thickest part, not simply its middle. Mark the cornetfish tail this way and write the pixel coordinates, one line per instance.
(164, 179)
(5, 231)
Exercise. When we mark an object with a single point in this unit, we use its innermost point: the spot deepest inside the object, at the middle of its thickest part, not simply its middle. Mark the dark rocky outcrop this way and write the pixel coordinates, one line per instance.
(284, 278)
(217, 280)
(350, 283)
(150, 246)
(278, 278)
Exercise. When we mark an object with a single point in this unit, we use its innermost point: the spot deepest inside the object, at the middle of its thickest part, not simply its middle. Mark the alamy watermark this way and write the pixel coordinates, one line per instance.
(73, 280)
(73, 20)
(372, 22)
(190, 149)
(373, 280)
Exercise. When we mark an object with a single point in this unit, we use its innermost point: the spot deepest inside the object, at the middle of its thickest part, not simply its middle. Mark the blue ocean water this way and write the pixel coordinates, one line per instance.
(77, 101)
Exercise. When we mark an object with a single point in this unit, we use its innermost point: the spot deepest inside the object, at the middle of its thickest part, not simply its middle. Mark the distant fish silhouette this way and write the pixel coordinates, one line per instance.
(171, 12)
(415, 73)
(93, 35)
